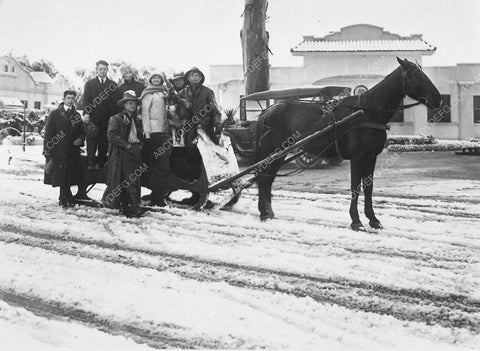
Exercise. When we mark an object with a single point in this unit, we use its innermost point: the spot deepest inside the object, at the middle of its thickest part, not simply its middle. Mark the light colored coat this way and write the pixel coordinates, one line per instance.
(154, 115)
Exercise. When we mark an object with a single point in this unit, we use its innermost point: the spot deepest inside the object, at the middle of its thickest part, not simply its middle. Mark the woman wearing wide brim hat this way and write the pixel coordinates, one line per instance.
(177, 75)
(125, 136)
(129, 95)
(178, 82)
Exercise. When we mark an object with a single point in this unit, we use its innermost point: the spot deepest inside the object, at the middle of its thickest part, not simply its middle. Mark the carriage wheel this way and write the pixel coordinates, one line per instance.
(307, 160)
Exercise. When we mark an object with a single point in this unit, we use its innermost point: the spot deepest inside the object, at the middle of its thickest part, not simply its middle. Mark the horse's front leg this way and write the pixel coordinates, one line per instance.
(355, 179)
(262, 197)
(367, 181)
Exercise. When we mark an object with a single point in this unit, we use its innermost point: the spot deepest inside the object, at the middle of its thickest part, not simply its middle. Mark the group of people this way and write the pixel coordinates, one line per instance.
(118, 122)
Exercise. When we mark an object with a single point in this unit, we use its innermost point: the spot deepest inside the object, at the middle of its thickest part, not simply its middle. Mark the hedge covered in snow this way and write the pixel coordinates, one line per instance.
(408, 143)
(410, 140)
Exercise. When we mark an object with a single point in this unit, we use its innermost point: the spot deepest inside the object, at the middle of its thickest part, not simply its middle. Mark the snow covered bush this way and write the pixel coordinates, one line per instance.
(410, 140)
(439, 145)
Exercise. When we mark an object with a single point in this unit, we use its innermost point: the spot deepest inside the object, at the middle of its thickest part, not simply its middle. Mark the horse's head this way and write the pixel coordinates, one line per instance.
(177, 109)
(418, 86)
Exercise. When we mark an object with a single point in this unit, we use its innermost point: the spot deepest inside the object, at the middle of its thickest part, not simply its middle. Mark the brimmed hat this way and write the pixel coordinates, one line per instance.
(129, 95)
(195, 69)
(178, 75)
(160, 74)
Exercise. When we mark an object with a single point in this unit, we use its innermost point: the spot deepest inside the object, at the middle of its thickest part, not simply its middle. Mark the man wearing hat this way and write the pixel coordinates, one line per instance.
(64, 135)
(202, 100)
(178, 83)
(99, 104)
(125, 136)
(129, 82)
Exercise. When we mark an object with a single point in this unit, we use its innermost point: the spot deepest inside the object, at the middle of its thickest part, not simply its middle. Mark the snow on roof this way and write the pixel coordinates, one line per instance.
(363, 38)
(41, 77)
(9, 102)
(317, 45)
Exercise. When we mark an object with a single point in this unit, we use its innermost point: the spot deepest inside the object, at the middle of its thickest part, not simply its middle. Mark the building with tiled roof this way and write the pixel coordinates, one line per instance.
(363, 38)
(361, 55)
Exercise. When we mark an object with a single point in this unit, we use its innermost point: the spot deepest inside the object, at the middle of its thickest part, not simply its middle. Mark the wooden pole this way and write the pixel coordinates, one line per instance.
(263, 164)
(24, 122)
(255, 46)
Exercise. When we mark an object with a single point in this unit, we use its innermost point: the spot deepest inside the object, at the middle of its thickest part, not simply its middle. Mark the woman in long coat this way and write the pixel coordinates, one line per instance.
(125, 136)
(157, 132)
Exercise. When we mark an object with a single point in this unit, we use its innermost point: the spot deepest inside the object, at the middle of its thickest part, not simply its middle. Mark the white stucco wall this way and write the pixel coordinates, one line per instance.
(19, 84)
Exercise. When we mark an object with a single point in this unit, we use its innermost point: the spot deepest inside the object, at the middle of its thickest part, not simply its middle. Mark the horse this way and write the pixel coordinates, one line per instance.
(359, 141)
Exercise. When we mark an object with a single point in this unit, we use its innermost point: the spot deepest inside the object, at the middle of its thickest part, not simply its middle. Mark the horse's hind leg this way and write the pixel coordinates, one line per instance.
(356, 167)
(367, 181)
(272, 173)
(262, 196)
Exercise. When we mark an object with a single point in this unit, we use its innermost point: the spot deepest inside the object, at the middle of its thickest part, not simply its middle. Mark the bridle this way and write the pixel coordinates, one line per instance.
(375, 125)
(405, 83)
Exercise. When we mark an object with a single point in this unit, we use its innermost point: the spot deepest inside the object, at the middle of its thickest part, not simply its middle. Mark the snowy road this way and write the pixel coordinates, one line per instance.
(84, 277)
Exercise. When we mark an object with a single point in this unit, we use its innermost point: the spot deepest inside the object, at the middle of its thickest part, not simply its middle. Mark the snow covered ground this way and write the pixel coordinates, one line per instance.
(86, 278)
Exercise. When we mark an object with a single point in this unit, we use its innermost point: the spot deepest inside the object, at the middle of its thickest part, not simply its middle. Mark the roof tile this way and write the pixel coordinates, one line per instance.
(363, 45)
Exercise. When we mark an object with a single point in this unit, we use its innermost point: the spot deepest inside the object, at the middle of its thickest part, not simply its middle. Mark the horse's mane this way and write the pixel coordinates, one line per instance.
(381, 84)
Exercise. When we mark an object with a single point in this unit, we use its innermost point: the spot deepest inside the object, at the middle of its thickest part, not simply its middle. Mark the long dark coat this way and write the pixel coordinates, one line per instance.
(124, 167)
(99, 100)
(204, 105)
(61, 130)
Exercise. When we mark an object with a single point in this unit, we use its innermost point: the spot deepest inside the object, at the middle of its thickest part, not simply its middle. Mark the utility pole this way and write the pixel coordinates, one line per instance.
(255, 46)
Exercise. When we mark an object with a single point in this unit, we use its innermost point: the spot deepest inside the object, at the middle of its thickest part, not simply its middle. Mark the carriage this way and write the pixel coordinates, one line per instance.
(208, 167)
(243, 134)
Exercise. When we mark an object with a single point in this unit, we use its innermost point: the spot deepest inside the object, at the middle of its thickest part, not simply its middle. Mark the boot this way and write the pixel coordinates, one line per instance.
(81, 193)
(192, 200)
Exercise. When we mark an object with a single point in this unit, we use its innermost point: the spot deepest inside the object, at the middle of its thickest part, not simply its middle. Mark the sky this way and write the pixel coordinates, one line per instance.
(178, 34)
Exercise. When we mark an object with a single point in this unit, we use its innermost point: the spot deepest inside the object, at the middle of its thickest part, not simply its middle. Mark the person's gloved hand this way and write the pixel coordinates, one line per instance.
(203, 123)
(78, 142)
(49, 165)
(218, 130)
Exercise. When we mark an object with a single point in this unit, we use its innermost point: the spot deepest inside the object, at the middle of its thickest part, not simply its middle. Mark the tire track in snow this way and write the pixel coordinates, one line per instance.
(160, 336)
(185, 228)
(443, 208)
(405, 304)
(393, 233)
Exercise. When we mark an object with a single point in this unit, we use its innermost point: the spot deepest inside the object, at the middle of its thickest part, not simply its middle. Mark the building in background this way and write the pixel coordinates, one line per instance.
(360, 56)
(37, 90)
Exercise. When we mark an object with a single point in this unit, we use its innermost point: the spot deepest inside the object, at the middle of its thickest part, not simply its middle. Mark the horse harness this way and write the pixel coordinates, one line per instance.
(266, 129)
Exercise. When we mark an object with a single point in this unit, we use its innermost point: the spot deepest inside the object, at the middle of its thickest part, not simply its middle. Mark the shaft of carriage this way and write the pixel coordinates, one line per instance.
(227, 183)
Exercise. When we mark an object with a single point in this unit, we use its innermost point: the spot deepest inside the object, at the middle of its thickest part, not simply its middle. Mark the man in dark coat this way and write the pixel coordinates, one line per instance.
(99, 104)
(63, 137)
(205, 113)
(129, 82)
(125, 167)
(205, 110)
